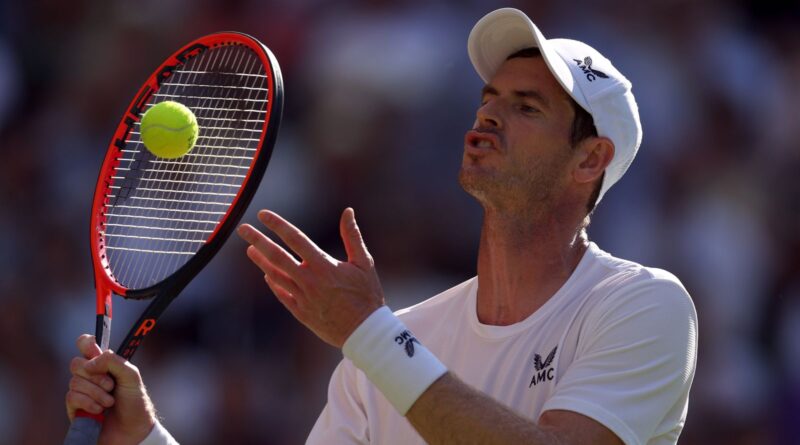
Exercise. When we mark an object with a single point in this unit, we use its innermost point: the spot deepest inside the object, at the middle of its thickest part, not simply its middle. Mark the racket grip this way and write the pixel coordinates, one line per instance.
(83, 431)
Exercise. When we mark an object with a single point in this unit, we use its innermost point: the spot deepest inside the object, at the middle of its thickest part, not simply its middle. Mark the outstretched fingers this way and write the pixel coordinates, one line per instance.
(292, 236)
(272, 274)
(269, 251)
(354, 245)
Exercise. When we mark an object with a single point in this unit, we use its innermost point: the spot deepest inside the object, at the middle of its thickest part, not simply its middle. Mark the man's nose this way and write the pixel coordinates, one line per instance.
(488, 114)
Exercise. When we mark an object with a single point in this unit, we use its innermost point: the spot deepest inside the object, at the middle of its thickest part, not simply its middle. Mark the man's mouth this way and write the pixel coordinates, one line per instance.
(480, 141)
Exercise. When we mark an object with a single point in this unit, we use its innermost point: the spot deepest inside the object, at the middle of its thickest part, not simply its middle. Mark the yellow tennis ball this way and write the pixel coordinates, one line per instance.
(169, 129)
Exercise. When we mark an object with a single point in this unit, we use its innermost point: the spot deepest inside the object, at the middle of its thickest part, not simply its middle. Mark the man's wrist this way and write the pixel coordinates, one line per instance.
(392, 358)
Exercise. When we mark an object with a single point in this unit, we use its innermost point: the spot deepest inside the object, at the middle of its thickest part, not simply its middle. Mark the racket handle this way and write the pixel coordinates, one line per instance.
(83, 431)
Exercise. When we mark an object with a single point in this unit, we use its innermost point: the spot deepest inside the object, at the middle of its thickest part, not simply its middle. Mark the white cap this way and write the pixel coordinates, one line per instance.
(585, 73)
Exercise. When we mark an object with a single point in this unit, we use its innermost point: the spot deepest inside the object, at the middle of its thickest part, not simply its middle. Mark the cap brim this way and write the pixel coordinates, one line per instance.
(505, 31)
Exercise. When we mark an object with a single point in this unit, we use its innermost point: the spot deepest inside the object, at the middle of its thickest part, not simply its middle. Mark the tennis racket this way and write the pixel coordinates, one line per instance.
(156, 222)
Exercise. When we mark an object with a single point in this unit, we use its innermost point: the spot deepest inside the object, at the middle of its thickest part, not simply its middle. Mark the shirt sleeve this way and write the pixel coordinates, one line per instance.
(159, 436)
(343, 420)
(634, 362)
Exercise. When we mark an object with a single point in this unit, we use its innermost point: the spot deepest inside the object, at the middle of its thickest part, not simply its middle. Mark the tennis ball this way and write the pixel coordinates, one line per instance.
(169, 130)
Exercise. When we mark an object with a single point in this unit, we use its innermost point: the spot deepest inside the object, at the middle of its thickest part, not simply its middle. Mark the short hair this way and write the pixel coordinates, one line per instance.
(582, 125)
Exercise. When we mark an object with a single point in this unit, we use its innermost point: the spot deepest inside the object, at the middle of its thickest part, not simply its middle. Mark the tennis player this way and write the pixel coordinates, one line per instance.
(554, 340)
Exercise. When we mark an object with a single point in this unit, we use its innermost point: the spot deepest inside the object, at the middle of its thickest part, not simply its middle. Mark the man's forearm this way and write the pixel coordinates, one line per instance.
(451, 412)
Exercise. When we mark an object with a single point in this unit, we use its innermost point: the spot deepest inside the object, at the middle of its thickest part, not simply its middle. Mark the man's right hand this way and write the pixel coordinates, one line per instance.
(129, 413)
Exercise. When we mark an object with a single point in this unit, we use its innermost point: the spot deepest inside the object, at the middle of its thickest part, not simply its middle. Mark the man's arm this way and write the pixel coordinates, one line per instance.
(333, 298)
(451, 412)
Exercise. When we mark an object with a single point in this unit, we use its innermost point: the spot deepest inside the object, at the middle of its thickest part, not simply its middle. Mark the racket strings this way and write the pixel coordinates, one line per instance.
(215, 136)
(132, 264)
(160, 212)
(173, 175)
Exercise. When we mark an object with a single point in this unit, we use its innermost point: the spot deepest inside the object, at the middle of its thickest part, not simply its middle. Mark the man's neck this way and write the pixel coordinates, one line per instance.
(522, 262)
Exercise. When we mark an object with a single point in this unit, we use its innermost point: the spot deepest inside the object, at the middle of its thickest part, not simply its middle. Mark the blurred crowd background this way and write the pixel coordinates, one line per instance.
(378, 96)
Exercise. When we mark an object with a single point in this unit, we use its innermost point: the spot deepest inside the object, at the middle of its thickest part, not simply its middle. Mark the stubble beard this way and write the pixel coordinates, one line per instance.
(522, 191)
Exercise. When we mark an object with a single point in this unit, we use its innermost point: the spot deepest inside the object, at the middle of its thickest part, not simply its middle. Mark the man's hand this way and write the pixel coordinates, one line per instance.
(328, 296)
(129, 413)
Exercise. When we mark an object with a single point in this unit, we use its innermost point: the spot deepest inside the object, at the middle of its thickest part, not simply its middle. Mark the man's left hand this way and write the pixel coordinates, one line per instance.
(330, 297)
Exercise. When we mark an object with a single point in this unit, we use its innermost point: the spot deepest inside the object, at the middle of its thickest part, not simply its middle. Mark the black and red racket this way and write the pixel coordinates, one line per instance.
(157, 222)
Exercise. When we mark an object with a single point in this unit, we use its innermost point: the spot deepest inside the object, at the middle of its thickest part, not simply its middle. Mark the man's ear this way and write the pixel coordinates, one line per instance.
(593, 156)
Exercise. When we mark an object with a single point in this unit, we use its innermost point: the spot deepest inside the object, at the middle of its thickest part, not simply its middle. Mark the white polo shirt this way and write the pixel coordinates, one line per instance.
(617, 343)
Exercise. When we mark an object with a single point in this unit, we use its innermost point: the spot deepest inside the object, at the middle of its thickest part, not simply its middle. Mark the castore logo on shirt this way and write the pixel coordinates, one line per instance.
(544, 369)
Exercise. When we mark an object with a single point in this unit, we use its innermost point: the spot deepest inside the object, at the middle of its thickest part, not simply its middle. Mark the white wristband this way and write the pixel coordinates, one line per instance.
(393, 360)
(159, 436)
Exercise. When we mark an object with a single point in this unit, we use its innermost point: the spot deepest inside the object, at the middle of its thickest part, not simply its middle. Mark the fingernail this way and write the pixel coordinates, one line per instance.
(266, 216)
(247, 233)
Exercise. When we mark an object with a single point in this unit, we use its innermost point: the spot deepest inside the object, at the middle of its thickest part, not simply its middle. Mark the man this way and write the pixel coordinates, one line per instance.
(555, 341)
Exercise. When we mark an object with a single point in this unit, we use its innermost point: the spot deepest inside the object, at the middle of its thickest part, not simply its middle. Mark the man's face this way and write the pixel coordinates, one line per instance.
(517, 154)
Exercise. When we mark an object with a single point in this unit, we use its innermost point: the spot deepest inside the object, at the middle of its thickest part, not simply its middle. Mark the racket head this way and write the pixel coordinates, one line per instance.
(155, 223)
(139, 214)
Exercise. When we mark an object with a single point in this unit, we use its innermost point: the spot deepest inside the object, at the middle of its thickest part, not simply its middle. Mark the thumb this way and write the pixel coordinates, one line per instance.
(353, 241)
(87, 346)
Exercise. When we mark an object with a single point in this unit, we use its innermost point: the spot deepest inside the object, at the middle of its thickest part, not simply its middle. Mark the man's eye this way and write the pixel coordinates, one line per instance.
(528, 109)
